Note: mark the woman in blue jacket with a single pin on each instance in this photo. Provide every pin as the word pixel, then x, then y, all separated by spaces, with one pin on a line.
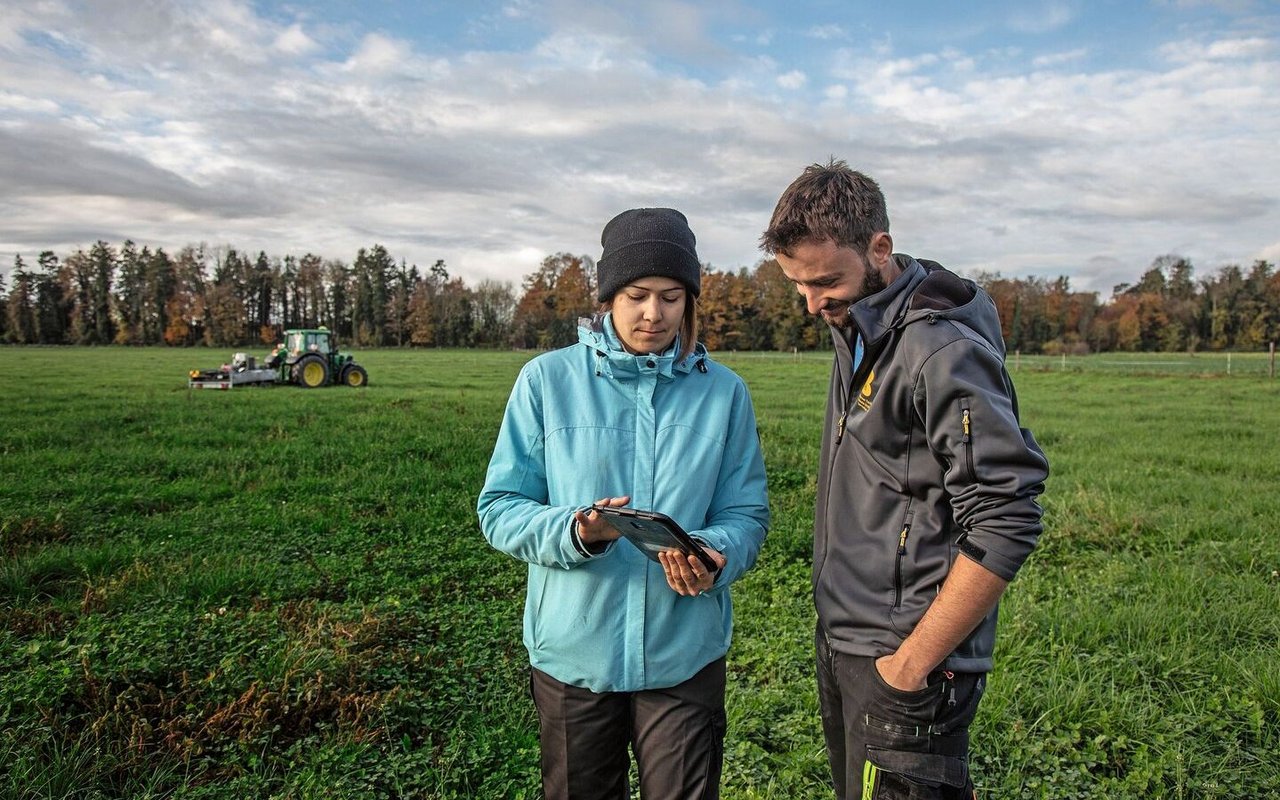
pixel 626 651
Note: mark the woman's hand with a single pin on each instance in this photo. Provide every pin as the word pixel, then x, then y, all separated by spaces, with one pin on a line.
pixel 593 528
pixel 688 575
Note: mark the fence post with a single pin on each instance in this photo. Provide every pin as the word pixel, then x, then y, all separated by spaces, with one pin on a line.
pixel 1272 370
pixel 1228 362
pixel 1064 362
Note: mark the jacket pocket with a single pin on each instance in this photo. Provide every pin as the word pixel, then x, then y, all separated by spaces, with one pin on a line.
pixel 534 611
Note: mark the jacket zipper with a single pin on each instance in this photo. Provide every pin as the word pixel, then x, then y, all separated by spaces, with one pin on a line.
pixel 967 422
pixel 897 565
pixel 851 394
pixel 855 386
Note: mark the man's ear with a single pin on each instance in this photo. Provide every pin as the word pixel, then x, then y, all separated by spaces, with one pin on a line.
pixel 881 250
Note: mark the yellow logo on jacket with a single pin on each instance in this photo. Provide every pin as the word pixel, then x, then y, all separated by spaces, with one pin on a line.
pixel 864 397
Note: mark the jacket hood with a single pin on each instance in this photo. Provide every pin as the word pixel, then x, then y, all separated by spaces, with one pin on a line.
pixel 612 359
pixel 925 290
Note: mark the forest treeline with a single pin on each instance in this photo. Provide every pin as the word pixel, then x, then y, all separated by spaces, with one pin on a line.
pixel 221 297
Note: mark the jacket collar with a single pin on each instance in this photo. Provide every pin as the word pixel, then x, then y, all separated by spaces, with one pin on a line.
pixel 926 291
pixel 876 315
pixel 598 334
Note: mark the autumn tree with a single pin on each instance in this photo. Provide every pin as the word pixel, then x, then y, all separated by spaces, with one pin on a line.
pixel 783 308
pixel 420 321
pixel 717 316
pixel 554 297
pixel 185 308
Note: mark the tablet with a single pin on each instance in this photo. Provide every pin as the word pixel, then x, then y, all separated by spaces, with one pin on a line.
pixel 652 532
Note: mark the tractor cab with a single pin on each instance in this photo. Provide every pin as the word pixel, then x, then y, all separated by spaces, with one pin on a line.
pixel 298 343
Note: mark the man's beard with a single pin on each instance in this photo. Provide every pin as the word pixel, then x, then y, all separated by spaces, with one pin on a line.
pixel 872 282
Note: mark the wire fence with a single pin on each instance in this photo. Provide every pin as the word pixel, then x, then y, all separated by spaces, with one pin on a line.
pixel 1256 365
pixel 1199 364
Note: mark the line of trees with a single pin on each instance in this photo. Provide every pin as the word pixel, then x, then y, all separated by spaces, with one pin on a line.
pixel 224 298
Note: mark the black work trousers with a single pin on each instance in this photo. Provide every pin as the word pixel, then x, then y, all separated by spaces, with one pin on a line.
pixel 887 744
pixel 677 735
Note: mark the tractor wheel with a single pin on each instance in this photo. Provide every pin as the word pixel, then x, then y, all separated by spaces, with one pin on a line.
pixel 355 376
pixel 310 372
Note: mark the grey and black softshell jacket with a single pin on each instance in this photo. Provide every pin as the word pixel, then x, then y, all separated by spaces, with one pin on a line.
pixel 923 461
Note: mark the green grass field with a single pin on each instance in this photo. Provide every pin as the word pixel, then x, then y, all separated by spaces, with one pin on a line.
pixel 281 593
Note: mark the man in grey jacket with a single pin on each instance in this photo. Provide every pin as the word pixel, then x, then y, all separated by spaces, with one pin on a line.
pixel 927 487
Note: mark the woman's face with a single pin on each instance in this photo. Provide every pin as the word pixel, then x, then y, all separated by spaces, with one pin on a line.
pixel 647 313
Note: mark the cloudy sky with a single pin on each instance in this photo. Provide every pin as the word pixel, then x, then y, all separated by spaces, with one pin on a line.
pixel 1027 137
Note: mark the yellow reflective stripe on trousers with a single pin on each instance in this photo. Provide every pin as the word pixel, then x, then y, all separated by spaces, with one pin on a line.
pixel 869 773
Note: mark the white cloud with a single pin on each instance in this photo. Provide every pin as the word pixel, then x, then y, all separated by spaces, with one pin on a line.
pixel 1041 17
pixel 590 52
pixel 827 32
pixel 1192 51
pixel 1229 6
pixel 1058 59
pixel 18 102
pixel 794 79
pixel 377 54
pixel 294 41
pixel 1252 47
pixel 1269 253
pixel 518 9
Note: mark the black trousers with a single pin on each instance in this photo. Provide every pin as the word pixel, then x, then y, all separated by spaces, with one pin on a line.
pixel 886 744
pixel 677 735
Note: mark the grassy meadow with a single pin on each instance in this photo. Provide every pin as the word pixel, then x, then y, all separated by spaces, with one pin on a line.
pixel 282 593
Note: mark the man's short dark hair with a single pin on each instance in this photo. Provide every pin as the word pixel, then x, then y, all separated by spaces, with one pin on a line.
pixel 827 203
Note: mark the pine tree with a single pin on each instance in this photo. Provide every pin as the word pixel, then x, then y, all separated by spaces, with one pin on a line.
pixel 20 327
pixel 160 285
pixel 102 265
pixel 130 294
pixel 52 311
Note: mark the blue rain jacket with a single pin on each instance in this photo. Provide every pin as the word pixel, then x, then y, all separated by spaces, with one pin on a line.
pixel 678 436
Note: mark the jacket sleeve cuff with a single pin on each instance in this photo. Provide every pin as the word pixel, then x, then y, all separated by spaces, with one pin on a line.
pixel 585 550
pixel 715 583
pixel 1003 564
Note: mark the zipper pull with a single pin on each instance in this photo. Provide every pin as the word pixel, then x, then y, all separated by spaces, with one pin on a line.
pixel 965 421
pixel 840 427
pixel 902 540
pixel 951 685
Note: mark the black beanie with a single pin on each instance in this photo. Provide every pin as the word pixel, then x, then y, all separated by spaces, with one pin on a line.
pixel 643 242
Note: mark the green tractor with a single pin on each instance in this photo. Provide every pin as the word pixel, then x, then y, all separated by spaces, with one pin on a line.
pixel 309 358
